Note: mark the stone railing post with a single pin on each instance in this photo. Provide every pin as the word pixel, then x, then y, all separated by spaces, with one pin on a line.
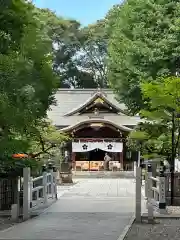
pixel 30 189
pixel 14 212
pixel 162 196
pixel 50 167
pixel 138 194
pixel 55 181
pixel 26 193
pixel 146 182
pixel 135 166
pixel 45 185
pixel 150 196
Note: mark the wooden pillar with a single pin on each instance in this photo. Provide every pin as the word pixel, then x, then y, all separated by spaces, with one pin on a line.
pixel 124 156
pixel 121 160
pixel 73 160
pixel 121 157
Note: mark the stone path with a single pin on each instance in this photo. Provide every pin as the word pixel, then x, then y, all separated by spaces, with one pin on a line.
pixel 92 209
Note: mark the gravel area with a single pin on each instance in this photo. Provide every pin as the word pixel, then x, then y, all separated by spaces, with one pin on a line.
pixel 168 229
pixel 173 210
pixel 163 228
pixel 5 222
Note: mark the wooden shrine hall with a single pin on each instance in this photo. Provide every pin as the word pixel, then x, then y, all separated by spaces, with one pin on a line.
pixel 98 124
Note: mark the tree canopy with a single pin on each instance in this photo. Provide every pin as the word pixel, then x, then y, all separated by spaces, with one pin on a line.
pixel 93 57
pixel 143 45
pixel 79 53
pixel 27 80
pixel 39 52
pixel 161 118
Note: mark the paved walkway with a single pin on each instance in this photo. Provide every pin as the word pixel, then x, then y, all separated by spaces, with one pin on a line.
pixel 93 209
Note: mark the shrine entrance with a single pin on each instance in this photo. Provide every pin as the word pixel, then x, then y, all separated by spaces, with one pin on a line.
pixel 96 155
pixel 92 139
pixel 94 160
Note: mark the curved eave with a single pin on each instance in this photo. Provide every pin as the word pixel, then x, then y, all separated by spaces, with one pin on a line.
pixel 120 127
pixel 92 98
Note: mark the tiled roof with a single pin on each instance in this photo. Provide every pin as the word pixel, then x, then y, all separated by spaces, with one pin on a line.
pixel 69 99
pixel 94 96
pixel 98 120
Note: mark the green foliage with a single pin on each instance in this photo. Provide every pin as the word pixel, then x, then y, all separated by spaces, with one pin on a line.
pixel 143 45
pixel 27 81
pixel 151 142
pixel 164 95
pixel 41 141
pixel 94 52
pixel 155 133
pixel 14 18
pixel 45 139
pixel 79 53
pixel 138 135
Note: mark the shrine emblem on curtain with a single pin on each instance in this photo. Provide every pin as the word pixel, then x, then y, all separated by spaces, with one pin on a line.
pixel 89 146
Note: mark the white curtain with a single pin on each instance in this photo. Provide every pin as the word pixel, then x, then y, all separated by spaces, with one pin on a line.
pixel 110 146
pixel 83 146
pixel 89 146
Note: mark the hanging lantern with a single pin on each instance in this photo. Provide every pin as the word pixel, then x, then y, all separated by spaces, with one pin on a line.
pixel 19 155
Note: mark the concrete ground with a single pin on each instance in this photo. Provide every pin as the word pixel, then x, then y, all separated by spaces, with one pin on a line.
pixel 103 174
pixel 92 209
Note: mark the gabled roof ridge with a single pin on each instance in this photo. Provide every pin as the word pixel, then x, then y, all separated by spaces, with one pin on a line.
pixel 98 93
pixel 92 90
pixel 83 104
pixel 122 127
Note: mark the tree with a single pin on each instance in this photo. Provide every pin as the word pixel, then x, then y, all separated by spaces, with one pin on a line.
pixel 152 140
pixel 143 44
pixel 160 133
pixel 27 82
pixel 93 55
pixel 42 142
pixel 79 53
pixel 64 35
pixel 45 139
pixel 13 19
pixel 164 104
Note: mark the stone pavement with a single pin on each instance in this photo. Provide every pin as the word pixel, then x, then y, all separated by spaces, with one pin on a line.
pixel 103 174
pixel 92 209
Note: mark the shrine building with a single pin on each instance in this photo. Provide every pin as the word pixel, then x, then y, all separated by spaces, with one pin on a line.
pixel 97 124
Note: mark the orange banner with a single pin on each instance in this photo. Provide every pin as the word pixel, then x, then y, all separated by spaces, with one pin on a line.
pixel 84 165
pixel 89 165
pixel 95 165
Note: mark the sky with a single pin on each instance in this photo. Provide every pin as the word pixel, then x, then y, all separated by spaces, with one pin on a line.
pixel 84 11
